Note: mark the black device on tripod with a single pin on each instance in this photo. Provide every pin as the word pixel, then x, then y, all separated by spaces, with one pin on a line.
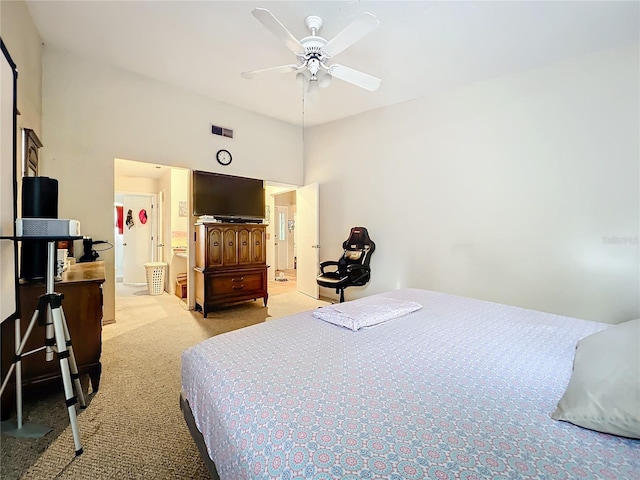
pixel 39 261
pixel 89 255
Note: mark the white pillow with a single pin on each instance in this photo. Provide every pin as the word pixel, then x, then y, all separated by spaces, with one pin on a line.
pixel 604 391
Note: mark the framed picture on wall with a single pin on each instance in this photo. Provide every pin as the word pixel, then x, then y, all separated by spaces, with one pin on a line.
pixel 30 146
pixel 182 209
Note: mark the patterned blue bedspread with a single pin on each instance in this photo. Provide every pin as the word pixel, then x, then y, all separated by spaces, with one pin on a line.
pixel 461 389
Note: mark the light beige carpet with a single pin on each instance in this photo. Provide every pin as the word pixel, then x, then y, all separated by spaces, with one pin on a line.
pixel 133 427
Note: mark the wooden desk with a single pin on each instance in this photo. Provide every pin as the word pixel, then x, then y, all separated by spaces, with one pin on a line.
pixel 81 286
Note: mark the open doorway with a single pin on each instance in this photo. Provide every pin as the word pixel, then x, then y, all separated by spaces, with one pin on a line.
pixel 292 215
pixel 168 187
pixel 285 245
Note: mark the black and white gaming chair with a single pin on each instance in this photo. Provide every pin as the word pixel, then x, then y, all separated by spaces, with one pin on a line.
pixel 352 269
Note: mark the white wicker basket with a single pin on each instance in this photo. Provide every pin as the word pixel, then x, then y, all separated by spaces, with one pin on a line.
pixel 155 277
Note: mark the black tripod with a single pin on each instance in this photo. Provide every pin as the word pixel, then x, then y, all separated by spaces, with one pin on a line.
pixel 57 340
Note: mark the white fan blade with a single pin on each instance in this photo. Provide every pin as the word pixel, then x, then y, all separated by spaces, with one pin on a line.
pixel 360 79
pixel 268 20
pixel 280 69
pixel 356 30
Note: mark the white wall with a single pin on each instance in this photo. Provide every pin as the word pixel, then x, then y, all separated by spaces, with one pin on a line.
pixel 127 184
pixel 93 114
pixel 23 43
pixel 22 40
pixel 509 190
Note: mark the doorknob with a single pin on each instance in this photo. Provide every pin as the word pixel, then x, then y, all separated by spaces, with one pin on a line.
pixel 124 244
pixel 160 245
pixel 315 246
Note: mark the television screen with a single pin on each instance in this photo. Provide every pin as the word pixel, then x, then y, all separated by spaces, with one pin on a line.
pixel 227 196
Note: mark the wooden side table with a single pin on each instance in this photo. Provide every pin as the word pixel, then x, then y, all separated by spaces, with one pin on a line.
pixel 81 286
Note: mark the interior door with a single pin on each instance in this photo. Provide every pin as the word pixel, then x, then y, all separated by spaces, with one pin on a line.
pixel 308 226
pixel 137 238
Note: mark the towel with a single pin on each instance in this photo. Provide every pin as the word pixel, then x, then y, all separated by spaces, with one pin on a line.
pixel 365 312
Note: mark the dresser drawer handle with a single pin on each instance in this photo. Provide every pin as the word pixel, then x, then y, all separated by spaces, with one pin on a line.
pixel 257 243
pixel 237 287
pixel 231 244
pixel 244 243
pixel 215 244
pixel 236 280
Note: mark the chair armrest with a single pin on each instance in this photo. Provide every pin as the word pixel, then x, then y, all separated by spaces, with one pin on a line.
pixel 354 268
pixel 328 263
pixel 358 272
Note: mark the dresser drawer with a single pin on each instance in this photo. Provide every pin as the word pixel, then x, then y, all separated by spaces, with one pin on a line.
pixel 236 283
pixel 225 287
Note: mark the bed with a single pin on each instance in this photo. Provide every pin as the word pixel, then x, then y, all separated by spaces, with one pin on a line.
pixel 460 388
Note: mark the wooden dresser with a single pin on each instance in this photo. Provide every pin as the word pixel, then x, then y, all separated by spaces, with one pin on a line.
pixel 230 264
pixel 81 286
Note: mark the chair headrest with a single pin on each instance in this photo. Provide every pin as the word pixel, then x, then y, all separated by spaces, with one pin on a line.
pixel 359 240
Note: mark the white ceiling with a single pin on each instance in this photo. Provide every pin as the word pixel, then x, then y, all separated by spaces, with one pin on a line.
pixel 420 47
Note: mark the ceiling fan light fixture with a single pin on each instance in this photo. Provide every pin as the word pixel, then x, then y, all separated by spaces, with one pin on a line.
pixel 313 87
pixel 313 66
pixel 301 77
pixel 324 80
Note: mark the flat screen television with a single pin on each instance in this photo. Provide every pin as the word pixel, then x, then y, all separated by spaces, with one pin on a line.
pixel 227 197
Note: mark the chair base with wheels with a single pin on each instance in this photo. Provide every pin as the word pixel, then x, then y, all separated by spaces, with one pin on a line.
pixel 352 269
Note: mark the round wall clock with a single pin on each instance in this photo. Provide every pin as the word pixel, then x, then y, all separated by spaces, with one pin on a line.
pixel 223 157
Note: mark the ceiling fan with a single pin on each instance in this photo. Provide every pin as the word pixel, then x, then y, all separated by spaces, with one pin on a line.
pixel 314 52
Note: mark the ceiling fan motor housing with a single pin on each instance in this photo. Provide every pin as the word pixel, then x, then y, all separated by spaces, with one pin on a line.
pixel 313 45
pixel 313 56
